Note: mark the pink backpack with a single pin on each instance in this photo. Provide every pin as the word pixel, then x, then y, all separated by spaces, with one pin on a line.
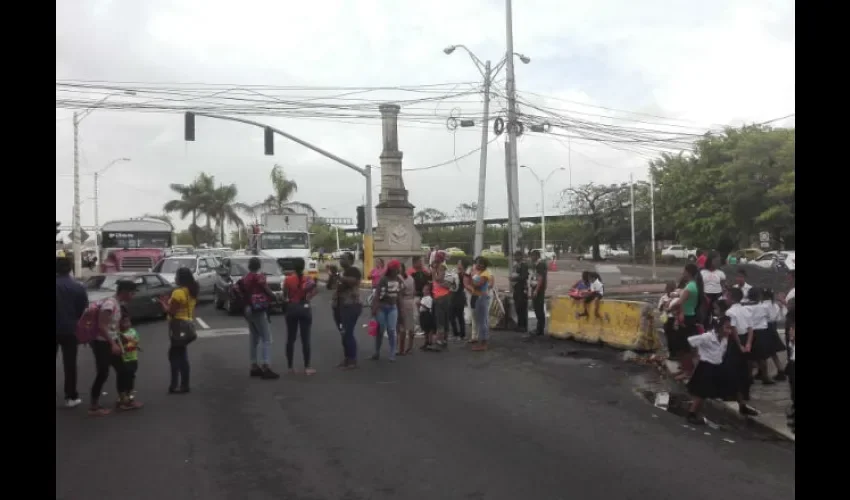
pixel 87 326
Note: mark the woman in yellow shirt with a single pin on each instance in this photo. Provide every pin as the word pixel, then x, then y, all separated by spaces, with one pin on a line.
pixel 181 328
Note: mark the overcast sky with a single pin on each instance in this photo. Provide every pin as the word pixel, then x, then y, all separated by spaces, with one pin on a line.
pixel 703 63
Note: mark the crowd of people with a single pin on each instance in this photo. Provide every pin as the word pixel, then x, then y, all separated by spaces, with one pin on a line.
pixel 723 335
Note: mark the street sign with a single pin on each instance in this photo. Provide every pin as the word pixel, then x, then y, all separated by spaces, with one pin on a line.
pixel 764 237
pixel 83 236
pixel 765 244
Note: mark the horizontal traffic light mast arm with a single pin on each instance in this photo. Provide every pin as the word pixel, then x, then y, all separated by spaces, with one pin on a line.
pixel 306 144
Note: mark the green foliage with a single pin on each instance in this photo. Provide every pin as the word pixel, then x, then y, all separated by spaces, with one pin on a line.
pixel 735 185
pixel 324 236
pixel 202 198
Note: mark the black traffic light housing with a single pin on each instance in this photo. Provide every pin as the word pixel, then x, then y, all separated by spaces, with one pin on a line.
pixel 189 133
pixel 269 141
pixel 57 227
pixel 361 219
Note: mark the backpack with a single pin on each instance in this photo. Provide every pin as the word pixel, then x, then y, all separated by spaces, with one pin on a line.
pixel 87 326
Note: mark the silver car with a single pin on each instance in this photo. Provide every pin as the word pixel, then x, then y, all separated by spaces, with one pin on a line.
pixel 202 267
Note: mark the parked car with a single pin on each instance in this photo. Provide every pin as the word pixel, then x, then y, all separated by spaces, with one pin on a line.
pixel 150 287
pixel 781 260
pixel 679 252
pixel 202 267
pixel 234 268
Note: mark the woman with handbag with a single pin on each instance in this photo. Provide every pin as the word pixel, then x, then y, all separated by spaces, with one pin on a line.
pixel 181 328
pixel 257 297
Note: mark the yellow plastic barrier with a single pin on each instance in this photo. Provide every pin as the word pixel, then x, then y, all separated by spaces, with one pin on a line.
pixel 624 324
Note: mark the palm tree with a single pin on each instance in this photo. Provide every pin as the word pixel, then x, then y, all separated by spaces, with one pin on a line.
pixel 221 207
pixel 279 202
pixel 193 199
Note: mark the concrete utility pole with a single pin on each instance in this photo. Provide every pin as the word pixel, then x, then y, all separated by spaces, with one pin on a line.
pixel 511 168
pixel 489 73
pixel 632 214
pixel 76 234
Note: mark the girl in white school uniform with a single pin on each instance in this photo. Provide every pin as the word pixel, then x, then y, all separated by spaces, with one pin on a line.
pixel 709 380
pixel 775 312
pixel 764 344
pixel 735 362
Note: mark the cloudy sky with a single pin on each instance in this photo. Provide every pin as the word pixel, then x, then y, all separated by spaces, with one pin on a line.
pixel 620 62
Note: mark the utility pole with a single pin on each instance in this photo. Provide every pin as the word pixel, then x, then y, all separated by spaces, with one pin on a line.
pixel 482 169
pixel 512 166
pixel 652 222
pixel 96 222
pixel 632 209
pixel 76 234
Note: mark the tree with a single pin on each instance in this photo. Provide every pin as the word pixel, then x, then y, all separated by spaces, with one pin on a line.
pixel 222 208
pixel 603 209
pixel 190 203
pixel 466 211
pixel 429 215
pixel 734 185
pixel 280 201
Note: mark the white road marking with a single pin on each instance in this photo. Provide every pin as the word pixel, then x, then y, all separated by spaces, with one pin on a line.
pixel 222 332
pixel 203 323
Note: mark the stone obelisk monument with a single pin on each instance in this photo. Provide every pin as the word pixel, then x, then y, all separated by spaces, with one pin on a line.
pixel 396 236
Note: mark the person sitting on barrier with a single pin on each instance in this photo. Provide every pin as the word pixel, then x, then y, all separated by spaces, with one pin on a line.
pixel 581 287
pixel 594 295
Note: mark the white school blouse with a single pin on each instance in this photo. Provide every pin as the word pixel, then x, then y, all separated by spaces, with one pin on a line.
pixel 760 314
pixel 741 318
pixel 709 347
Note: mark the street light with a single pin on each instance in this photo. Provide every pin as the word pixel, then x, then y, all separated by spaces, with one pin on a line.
pixel 489 75
pixel 96 206
pixel 77 230
pixel 543 202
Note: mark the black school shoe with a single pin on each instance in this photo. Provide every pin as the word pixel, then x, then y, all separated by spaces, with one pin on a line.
pixel 256 372
pixel 268 374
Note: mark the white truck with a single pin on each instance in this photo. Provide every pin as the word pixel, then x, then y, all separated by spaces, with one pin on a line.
pixel 285 237
pixel 679 252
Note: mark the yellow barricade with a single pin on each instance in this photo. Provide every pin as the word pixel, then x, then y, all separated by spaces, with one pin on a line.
pixel 624 324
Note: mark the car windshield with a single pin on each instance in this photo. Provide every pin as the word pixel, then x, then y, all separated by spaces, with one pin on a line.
pixel 170 266
pixel 107 282
pixel 240 267
pixel 276 241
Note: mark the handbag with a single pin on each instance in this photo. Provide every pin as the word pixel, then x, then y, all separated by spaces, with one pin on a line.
pixel 182 332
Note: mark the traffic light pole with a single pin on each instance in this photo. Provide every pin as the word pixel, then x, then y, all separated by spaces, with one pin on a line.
pixel 365 172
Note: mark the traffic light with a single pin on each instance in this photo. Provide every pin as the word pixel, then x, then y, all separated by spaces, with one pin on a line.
pixel 57 227
pixel 189 133
pixel 361 219
pixel 269 141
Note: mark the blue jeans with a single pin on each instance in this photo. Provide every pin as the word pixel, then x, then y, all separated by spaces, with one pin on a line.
pixel 348 316
pixel 387 321
pixel 260 336
pixel 482 317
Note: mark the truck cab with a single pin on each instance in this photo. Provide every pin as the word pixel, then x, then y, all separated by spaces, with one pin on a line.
pixel 285 237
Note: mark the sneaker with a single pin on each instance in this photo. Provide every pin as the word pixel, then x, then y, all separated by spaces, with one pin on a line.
pixel 99 411
pixel 256 371
pixel 268 374
pixel 73 403
pixel 129 405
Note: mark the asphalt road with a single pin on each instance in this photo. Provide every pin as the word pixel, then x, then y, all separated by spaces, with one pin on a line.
pixel 519 421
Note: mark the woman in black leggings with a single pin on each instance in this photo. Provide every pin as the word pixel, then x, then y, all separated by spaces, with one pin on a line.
pixel 299 290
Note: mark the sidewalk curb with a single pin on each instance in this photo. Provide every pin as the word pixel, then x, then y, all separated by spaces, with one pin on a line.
pixel 731 408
